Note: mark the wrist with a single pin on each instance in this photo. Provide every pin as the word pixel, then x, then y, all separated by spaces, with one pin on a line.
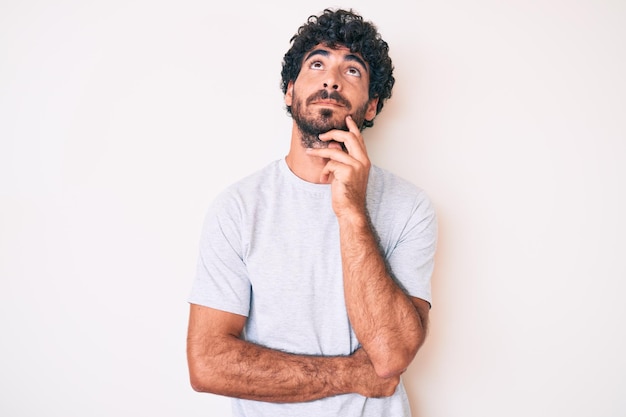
pixel 353 218
pixel 344 376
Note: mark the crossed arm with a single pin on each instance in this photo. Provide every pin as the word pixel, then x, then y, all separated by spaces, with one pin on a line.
pixel 222 363
pixel 389 325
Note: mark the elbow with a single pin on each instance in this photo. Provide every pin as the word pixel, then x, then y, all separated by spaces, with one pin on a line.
pixel 204 382
pixel 393 362
pixel 197 382
pixel 203 377
pixel 207 368
pixel 389 372
pixel 391 367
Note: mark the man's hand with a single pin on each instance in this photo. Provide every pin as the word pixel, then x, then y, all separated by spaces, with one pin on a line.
pixel 367 382
pixel 347 172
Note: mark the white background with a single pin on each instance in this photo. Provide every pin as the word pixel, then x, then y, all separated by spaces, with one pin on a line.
pixel 121 120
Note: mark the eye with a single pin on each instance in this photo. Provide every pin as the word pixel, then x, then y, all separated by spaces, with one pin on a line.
pixel 354 72
pixel 316 65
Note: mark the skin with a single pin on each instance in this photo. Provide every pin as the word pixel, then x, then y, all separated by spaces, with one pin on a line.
pixel 222 363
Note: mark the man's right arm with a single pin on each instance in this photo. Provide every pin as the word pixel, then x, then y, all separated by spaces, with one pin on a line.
pixel 220 362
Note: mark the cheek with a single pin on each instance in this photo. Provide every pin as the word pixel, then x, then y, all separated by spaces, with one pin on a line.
pixel 289 95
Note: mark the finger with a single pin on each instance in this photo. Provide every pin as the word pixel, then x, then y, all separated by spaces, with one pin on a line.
pixel 356 131
pixel 332 154
pixel 327 171
pixel 342 172
pixel 352 142
pixel 352 126
pixel 355 147
pixel 338 135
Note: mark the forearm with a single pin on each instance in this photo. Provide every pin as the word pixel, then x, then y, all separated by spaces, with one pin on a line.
pixel 229 366
pixel 232 367
pixel 384 318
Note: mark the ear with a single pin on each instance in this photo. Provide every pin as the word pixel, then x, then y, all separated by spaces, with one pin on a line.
pixel 289 94
pixel 370 113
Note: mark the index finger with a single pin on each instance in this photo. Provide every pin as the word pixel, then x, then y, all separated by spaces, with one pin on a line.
pixel 356 148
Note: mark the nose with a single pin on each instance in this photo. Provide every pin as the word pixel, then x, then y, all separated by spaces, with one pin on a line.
pixel 332 79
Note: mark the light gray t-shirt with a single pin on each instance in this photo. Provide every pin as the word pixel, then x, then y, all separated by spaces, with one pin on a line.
pixel 269 250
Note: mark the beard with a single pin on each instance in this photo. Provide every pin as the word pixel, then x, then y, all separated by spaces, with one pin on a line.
pixel 312 125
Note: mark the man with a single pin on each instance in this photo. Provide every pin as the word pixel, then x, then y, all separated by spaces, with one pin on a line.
pixel 313 285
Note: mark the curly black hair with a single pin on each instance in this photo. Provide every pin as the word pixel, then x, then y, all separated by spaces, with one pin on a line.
pixel 335 28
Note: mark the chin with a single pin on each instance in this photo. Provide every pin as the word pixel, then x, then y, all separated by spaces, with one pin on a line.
pixel 330 122
pixel 313 142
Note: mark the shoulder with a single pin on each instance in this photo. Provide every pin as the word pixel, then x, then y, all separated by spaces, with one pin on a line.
pixel 266 174
pixel 386 186
pixel 250 185
pixel 394 202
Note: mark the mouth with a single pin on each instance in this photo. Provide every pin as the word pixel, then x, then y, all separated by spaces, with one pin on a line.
pixel 328 103
pixel 328 99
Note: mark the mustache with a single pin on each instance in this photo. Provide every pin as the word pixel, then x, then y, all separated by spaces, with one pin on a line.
pixel 333 95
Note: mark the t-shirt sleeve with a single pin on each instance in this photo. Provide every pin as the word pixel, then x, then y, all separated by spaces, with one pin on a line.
pixel 221 279
pixel 412 260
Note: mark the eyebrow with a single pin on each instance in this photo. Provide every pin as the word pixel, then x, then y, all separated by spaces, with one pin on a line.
pixel 349 57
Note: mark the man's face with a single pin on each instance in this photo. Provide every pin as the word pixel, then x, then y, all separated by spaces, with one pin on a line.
pixel 332 84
